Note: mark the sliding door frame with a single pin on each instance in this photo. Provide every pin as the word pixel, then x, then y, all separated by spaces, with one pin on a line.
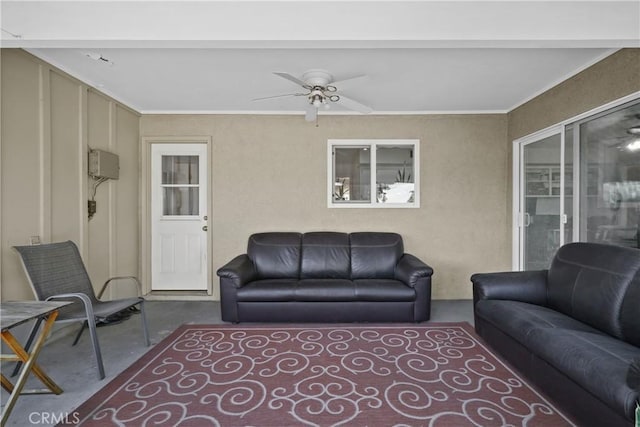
pixel 519 192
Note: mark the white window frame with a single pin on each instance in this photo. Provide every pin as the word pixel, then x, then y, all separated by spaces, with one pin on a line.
pixel 373 145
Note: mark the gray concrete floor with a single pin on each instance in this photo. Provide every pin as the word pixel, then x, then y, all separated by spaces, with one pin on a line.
pixel 74 369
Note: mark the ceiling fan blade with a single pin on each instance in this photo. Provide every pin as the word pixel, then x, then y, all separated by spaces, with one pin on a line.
pixel 293 79
pixel 279 96
pixel 354 105
pixel 350 80
pixel 311 113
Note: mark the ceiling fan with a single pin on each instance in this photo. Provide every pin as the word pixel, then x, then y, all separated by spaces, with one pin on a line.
pixel 322 90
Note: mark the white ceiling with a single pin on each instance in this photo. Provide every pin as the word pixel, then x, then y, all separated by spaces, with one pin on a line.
pixel 420 56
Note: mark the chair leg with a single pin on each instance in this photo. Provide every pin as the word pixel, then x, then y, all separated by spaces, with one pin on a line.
pixel 145 329
pixel 32 336
pixel 84 325
pixel 96 348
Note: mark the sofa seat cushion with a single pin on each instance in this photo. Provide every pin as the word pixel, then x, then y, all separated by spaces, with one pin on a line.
pixel 383 290
pixel 592 359
pixel 330 290
pixel 272 290
pixel 518 319
pixel 268 290
pixel 326 290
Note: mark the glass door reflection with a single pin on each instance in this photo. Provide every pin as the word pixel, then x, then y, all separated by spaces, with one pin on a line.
pixel 610 176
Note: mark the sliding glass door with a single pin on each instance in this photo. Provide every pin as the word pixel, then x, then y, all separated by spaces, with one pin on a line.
pixel 540 204
pixel 609 178
pixel 578 181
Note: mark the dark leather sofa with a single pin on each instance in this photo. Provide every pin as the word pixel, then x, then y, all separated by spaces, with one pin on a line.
pixel 325 277
pixel 573 330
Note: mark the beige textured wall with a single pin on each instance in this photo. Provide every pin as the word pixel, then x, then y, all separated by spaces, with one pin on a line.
pixel 612 78
pixel 269 174
pixel 48 121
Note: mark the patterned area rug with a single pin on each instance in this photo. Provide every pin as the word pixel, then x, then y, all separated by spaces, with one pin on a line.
pixel 343 375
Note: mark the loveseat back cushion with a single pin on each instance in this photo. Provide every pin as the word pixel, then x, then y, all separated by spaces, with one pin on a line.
pixel 275 255
pixel 325 255
pixel 375 255
pixel 589 282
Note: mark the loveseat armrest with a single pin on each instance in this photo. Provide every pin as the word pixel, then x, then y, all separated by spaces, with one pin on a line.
pixel 239 270
pixel 410 269
pixel 524 286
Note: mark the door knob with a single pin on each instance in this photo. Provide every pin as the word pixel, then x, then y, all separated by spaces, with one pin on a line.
pixel 204 228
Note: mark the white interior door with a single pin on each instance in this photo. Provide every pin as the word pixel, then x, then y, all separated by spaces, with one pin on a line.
pixel 179 217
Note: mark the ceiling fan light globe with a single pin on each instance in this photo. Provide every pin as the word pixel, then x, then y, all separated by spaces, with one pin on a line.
pixel 634 145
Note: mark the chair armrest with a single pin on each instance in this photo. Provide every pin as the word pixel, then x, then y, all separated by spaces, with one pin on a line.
pixel 525 286
pixel 240 270
pixel 108 282
pixel 86 301
pixel 410 269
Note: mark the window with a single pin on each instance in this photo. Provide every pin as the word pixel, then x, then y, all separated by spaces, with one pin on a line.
pixel 180 186
pixel 373 173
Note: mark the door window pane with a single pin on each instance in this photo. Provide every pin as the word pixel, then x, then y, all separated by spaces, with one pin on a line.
pixel 352 174
pixel 394 174
pixel 541 201
pixel 180 170
pixel 610 176
pixel 180 201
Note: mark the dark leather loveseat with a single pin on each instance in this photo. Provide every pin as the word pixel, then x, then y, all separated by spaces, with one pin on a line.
pixel 574 330
pixel 325 277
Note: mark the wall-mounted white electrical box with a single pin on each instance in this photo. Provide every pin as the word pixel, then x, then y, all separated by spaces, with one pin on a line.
pixel 103 164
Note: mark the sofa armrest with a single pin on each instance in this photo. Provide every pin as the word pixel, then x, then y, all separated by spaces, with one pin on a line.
pixel 633 376
pixel 525 286
pixel 410 269
pixel 240 270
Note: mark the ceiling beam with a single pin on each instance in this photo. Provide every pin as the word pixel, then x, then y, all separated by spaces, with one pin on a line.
pixel 320 24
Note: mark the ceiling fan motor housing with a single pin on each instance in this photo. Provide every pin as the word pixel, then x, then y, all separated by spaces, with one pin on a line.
pixel 317 78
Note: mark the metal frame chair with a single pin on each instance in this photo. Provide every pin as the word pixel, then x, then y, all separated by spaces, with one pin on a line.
pixel 56 272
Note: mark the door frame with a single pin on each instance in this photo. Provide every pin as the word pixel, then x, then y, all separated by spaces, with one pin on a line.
pixel 145 217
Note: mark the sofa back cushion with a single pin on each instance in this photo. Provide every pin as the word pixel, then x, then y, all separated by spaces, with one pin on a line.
pixel 325 255
pixel 375 255
pixel 276 255
pixel 591 282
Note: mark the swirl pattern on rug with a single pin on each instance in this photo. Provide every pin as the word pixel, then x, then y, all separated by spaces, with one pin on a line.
pixel 375 375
